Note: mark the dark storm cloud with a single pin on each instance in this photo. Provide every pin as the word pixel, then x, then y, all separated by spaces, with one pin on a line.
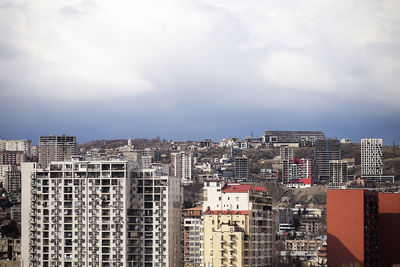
pixel 192 69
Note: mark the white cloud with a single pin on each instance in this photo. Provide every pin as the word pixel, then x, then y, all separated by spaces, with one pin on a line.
pixel 289 70
pixel 80 49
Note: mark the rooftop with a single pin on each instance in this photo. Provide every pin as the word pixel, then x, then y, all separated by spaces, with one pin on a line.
pixel 237 188
pixel 227 212
pixel 195 208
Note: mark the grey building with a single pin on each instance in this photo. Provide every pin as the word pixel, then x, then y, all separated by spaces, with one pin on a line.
pixel 325 151
pixel 304 138
pixel 338 171
pixel 241 168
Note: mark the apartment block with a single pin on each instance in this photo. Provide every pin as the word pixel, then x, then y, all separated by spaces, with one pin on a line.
pixel 74 213
pixel 4 168
pixel 371 157
pixel 193 237
pixel 154 236
pixel 297 172
pixel 55 148
pixel 238 225
pixel 12 181
pixel 23 145
pixel 181 166
pixel 99 213
pixel 241 168
pixel 286 153
pixel 15 212
pixel 10 251
pixel 284 220
pixel 338 171
pixel 352 228
pixel 310 224
pixel 12 157
pixel 325 151
pixel 309 246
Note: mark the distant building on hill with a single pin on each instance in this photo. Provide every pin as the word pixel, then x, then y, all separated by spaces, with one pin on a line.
pixel 303 138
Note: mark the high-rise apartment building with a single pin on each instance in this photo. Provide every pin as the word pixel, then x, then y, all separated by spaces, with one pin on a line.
pixel 99 213
pixel 241 168
pixel 154 238
pixel 325 151
pixel 193 237
pixel 12 181
pixel 12 157
pixel 297 172
pixel 17 145
pixel 338 171
pixel 352 227
pixel 371 157
pixel 286 153
pixel 4 168
pixel 181 166
pixel 238 225
pixel 74 213
pixel 145 162
pixel 55 148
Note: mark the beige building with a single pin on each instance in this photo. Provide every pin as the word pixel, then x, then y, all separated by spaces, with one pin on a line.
pixel 238 225
pixel 55 148
pixel 17 145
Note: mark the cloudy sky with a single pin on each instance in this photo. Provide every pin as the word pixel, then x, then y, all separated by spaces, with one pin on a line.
pixel 194 69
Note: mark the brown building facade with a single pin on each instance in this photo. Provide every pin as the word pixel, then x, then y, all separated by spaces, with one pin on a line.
pixel 389 229
pixel 12 157
pixel 352 228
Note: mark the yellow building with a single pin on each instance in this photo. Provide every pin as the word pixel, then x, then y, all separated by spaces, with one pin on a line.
pixel 227 241
pixel 238 237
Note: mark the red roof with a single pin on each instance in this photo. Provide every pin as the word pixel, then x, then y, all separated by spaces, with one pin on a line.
pixel 195 208
pixel 227 212
pixel 259 188
pixel 237 188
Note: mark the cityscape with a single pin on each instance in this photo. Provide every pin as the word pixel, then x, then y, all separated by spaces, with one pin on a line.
pixel 199 133
pixel 287 198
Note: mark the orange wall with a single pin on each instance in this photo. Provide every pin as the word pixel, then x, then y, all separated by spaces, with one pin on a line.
pixel 389 229
pixel 345 227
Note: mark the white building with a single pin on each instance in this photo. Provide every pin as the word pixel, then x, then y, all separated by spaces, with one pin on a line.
pixel 4 168
pixel 229 202
pixel 16 145
pixel 99 213
pixel 74 213
pixel 181 166
pixel 155 235
pixel 12 181
pixel 371 157
pixel 338 171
